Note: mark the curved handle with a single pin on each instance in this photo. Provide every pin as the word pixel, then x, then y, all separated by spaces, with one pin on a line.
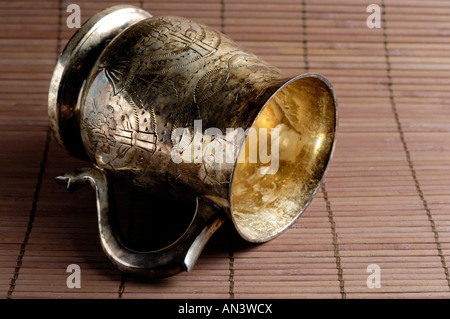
pixel 180 255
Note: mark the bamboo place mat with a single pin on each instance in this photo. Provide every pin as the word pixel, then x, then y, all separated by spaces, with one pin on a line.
pixel 384 200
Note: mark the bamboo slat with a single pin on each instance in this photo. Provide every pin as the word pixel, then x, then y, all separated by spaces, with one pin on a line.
pixel 385 197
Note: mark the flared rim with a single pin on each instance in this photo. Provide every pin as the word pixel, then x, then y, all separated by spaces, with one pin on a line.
pixel 245 235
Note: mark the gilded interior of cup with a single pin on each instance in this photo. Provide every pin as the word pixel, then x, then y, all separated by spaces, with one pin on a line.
pixel 268 196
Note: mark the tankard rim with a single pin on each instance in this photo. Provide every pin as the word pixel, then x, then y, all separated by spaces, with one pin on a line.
pixel 279 231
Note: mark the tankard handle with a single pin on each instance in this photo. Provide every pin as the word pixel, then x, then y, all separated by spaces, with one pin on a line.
pixel 179 256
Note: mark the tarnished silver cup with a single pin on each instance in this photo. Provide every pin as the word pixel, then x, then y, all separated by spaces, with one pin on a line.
pixel 179 109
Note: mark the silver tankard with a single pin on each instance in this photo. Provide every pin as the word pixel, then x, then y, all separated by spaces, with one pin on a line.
pixel 176 108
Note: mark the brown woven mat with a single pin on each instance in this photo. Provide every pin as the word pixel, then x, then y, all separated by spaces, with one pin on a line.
pixel 385 199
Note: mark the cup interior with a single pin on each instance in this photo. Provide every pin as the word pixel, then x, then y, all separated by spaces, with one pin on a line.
pixel 283 159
